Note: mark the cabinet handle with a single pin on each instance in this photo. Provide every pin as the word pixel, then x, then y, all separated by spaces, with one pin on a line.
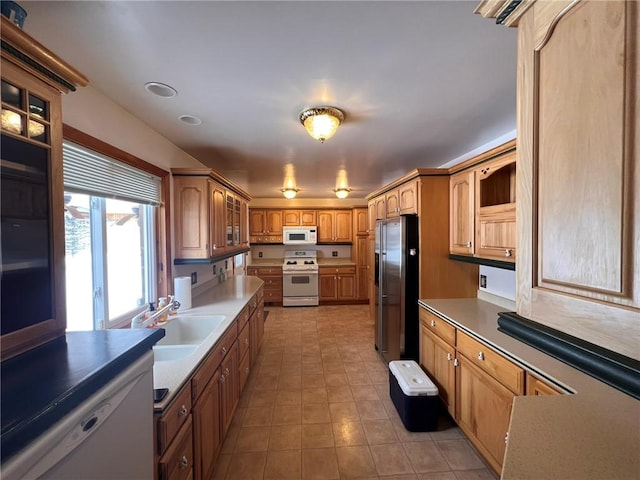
pixel 224 350
pixel 222 379
pixel 183 411
pixel 184 462
pixel 433 323
pixel 480 356
pixel 226 371
pixel 449 357
pixel 456 362
pixel 506 438
pixel 468 244
pixel 507 252
pixel 246 342
pixel 246 369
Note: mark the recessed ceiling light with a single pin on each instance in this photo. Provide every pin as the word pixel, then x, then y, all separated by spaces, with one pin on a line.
pixel 160 89
pixel 190 119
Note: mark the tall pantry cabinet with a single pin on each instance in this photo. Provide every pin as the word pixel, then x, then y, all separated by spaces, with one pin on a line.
pixel 578 170
pixel 33 245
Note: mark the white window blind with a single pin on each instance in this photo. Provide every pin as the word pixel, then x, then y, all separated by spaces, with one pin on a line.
pixel 86 171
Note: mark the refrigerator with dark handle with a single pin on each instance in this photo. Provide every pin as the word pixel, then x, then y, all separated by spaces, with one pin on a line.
pixel 397 293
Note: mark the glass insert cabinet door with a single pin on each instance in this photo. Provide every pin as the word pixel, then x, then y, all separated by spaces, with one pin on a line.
pixel 25 218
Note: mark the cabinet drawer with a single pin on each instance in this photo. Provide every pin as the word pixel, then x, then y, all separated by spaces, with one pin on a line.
pixel 437 325
pixel 337 270
pixel 270 296
pixel 243 340
pixel 223 346
pixel 177 462
pixel 272 283
pixel 174 417
pixel 243 317
pixel 503 370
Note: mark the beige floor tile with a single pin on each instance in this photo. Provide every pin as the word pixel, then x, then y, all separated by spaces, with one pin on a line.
pixel 405 435
pixel 290 382
pixel 359 378
pixel 364 392
pixel 230 440
pixel 355 462
pixel 266 382
pixel 317 435
pixel 333 379
pixel 315 395
pixel 349 434
pixel 379 432
pixel 437 476
pixel 425 457
pixel 284 465
pixel 312 368
pixel 482 474
pixel 400 477
pixel 371 410
pixel 460 455
pixel 287 414
pixel 246 466
pixel 315 413
pixel 285 437
pixel 313 381
pixel 257 417
pixel 339 393
pixel 319 464
pixel 289 397
pixel 390 459
pixel 343 412
pixel 252 439
pixel 263 398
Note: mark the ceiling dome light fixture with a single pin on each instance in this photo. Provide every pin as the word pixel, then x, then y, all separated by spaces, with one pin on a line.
pixel 161 89
pixel 342 192
pixel 289 192
pixel 190 119
pixel 321 122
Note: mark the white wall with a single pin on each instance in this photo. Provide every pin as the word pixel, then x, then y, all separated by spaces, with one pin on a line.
pixel 94 114
pixel 277 251
pixel 500 282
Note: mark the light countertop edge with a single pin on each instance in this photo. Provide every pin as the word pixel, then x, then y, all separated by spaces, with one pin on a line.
pixel 593 433
pixel 228 299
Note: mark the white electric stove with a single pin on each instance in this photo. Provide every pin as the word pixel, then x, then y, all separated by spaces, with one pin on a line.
pixel 300 278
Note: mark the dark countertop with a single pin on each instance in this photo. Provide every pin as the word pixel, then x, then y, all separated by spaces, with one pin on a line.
pixel 41 386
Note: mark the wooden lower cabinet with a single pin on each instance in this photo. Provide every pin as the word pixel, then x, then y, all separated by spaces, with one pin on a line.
pixel 337 284
pixel 206 429
pixel 535 386
pixel 483 411
pixel 438 358
pixel 191 430
pixel 272 277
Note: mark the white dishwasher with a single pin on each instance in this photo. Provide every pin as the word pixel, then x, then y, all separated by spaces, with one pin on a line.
pixel 110 436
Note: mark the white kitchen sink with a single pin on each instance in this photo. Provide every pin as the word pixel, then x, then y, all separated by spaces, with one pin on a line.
pixel 170 353
pixel 189 329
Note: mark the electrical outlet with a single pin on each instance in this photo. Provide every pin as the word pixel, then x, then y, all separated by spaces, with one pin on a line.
pixel 334 253
pixel 483 281
pixel 259 254
pixel 194 278
pixel 214 270
pixel 226 265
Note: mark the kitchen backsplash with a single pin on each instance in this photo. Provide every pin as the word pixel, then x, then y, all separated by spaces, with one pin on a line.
pixel 277 251
pixel 499 282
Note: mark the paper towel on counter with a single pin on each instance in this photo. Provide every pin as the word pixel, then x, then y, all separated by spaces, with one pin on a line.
pixel 182 291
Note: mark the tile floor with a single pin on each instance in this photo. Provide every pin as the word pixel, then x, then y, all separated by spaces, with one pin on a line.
pixel 317 407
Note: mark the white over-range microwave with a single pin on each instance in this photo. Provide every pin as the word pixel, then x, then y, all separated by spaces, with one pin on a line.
pixel 299 235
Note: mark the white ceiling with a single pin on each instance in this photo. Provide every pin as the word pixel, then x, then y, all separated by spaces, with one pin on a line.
pixel 421 82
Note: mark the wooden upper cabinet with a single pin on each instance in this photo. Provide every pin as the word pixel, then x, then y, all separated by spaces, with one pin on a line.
pixel 274 222
pixel 265 225
pixel 578 170
pixel 218 218
pixel 32 250
pixel 257 222
pixel 335 226
pixel 372 218
pixel 294 218
pixel 191 211
pixel 392 204
pixel 361 221
pixel 495 202
pixel 462 212
pixel 408 198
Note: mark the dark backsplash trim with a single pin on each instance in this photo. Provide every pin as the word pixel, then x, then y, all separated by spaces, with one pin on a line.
pixel 622 373
pixel 483 261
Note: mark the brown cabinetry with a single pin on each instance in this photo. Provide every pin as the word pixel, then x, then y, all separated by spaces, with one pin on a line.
pixel 578 170
pixel 207 432
pixel 535 386
pixel 337 284
pixel 482 203
pixel 335 226
pixel 294 218
pixel 265 226
pixel 272 277
pixel 207 216
pixel 33 238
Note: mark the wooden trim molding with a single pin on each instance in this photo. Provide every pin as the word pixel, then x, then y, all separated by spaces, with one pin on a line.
pixel 163 230
pixel 198 172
